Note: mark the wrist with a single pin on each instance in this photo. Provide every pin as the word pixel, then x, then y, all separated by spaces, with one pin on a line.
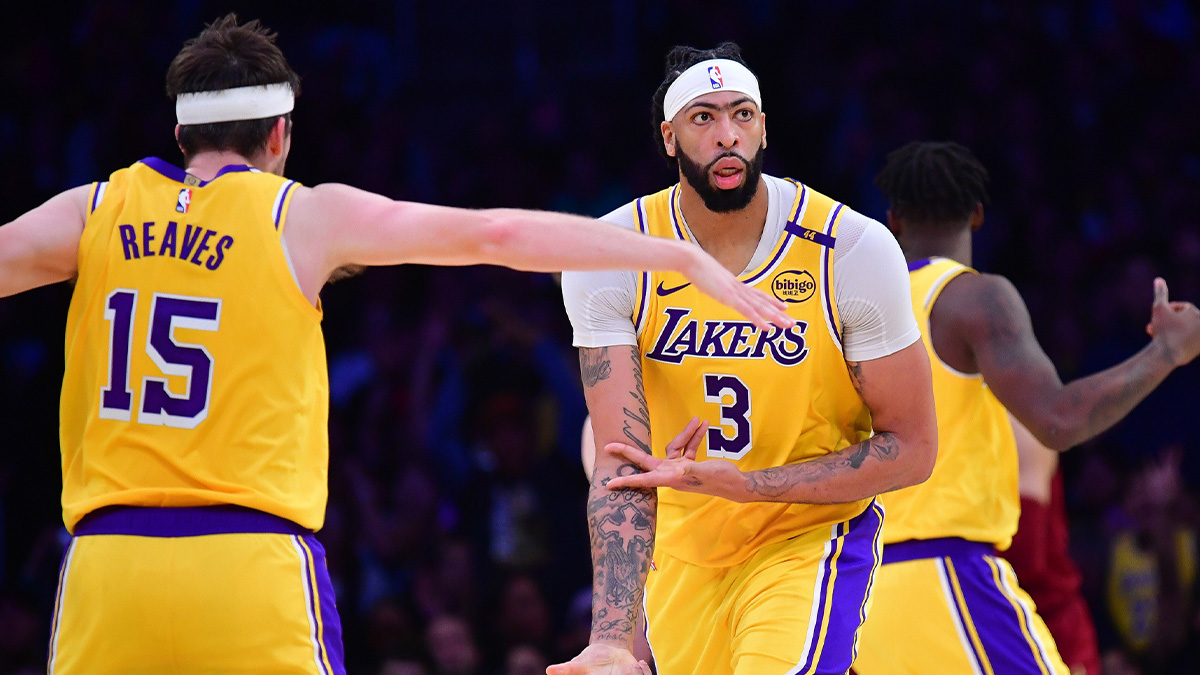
pixel 689 259
pixel 1163 352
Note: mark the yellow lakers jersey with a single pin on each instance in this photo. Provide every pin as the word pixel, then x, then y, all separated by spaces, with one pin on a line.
pixel 973 492
pixel 195 366
pixel 776 397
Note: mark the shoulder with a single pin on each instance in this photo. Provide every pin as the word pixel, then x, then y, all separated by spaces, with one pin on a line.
pixel 623 216
pixel 864 243
pixel 980 302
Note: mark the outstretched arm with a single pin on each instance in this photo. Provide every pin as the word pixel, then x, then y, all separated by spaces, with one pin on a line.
pixel 989 314
pixel 899 392
pixel 42 246
pixel 333 226
pixel 621 522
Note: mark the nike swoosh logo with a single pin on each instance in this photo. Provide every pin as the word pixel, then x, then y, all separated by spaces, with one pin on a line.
pixel 668 291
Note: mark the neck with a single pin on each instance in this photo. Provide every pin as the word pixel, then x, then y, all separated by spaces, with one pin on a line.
pixel 953 245
pixel 205 165
pixel 717 230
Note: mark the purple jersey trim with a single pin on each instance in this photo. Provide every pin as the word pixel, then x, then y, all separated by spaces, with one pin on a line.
pixel 783 246
pixel 282 200
pixel 829 273
pixel 180 176
pixel 918 264
pixel 811 235
pixel 188 521
pixel 948 547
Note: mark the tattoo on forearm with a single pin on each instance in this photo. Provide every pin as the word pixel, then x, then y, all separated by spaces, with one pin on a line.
pixel 594 365
pixel 637 422
pixel 778 481
pixel 622 526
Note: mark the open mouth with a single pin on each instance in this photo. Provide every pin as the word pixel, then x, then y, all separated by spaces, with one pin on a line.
pixel 727 172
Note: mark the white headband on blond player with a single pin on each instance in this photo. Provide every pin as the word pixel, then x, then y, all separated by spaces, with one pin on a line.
pixel 705 78
pixel 238 103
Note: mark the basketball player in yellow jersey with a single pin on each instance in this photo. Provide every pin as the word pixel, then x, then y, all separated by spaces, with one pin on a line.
pixel 195 398
pixel 745 588
pixel 944 603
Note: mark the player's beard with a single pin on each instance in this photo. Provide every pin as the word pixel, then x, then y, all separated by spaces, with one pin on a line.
pixel 715 199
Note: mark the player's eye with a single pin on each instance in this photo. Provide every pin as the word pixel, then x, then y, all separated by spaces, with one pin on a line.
pixel 702 117
pixel 744 114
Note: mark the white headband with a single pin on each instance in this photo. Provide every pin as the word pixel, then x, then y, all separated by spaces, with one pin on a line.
pixel 705 78
pixel 231 105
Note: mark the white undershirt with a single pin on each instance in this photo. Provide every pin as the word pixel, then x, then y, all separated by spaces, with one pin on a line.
pixel 870 285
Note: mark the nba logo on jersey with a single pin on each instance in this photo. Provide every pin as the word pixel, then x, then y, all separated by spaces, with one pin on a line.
pixel 714 77
pixel 185 200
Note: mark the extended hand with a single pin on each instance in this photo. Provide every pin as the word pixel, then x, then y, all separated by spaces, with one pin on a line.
pixel 714 280
pixel 680 470
pixel 601 659
pixel 1174 325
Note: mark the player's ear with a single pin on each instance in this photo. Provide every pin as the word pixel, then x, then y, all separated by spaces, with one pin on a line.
pixel 763 117
pixel 977 217
pixel 276 141
pixel 177 138
pixel 894 225
pixel 668 135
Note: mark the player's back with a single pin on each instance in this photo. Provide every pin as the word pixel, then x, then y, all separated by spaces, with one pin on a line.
pixel 195 367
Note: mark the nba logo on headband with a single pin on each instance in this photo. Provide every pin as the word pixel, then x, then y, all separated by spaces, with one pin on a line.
pixel 714 77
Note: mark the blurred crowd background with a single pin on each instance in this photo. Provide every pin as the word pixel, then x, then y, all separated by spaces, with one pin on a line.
pixel 455 528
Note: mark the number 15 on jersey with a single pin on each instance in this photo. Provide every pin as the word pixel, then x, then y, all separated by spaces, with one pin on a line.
pixel 159 406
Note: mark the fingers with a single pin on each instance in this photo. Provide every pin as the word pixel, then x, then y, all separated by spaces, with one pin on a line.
pixel 640 481
pixel 1160 291
pixel 566 669
pixel 644 668
pixel 634 456
pixel 697 438
pixel 675 447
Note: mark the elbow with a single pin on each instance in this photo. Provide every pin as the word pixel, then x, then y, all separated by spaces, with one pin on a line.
pixel 497 234
pixel 924 453
pixel 1057 431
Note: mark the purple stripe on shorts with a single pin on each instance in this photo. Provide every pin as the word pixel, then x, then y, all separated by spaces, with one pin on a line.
pixel 948 547
pixel 855 572
pixel 282 201
pixel 997 621
pixel 826 573
pixel 331 623
pixel 188 521
pixel 180 176
pixel 312 602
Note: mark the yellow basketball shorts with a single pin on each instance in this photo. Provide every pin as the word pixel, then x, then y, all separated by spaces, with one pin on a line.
pixel 949 606
pixel 218 589
pixel 795 607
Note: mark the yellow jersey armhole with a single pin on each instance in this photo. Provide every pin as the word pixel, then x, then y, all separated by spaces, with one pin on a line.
pixel 831 308
pixel 283 200
pixel 642 295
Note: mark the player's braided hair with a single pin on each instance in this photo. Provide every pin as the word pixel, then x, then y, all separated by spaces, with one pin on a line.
pixel 227 54
pixel 679 59
pixel 933 183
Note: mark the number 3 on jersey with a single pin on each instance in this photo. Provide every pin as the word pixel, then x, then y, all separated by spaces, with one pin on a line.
pixel 729 392
pixel 159 406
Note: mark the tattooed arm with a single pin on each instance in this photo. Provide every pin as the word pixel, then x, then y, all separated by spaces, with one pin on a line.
pixel 898 390
pixel 621 522
pixel 980 324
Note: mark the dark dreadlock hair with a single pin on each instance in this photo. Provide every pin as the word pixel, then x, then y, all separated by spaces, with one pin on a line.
pixel 679 59
pixel 933 183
